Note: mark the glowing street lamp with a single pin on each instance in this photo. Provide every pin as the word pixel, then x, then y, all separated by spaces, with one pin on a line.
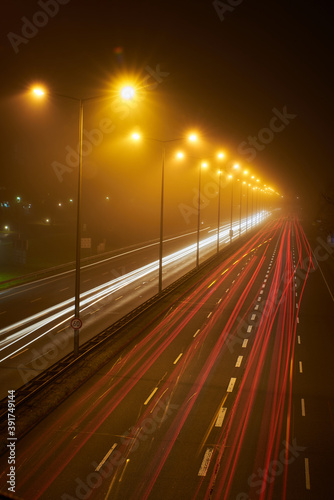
pixel 127 92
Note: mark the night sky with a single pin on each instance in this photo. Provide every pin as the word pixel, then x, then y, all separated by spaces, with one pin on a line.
pixel 224 68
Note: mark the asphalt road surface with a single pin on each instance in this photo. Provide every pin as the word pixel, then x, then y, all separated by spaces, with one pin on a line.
pixel 35 318
pixel 229 396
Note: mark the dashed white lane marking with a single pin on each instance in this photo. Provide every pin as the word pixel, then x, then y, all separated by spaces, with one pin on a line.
pixel 205 462
pixel 119 297
pixel 151 395
pixel 137 287
pixel 307 474
pixel 63 289
pixel 245 342
pixel 249 328
pixel 196 333
pixel 35 300
pixel 259 299
pixel 239 360
pixel 231 384
pixel 221 416
pixel 177 358
pixel 300 367
pixel 303 407
pixel 296 305
pixel 298 338
pixel 219 301
pixel 106 457
pixel 261 292
pixel 208 316
pixel 253 317
pixel 297 320
pixel 256 307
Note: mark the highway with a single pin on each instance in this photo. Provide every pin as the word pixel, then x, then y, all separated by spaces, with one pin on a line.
pixel 35 318
pixel 228 396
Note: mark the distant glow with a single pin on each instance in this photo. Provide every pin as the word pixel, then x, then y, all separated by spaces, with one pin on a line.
pixel 59 204
pixel 18 199
pixel 38 91
pixel 180 155
pixel 6 228
pixel 135 136
pixel 70 200
pixel 107 198
pixel 204 164
pixel 236 166
pixel 220 155
pixel 252 177
pixel 245 172
pixel 257 180
pixel 128 92
pixel 192 137
pixel 230 176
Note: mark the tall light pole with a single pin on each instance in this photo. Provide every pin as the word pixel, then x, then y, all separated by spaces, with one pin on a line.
pixel 200 166
pixel 220 156
pixel 127 93
pixel 218 218
pixel 137 137
pixel 240 208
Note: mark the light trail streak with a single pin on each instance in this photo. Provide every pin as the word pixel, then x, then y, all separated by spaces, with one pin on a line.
pixel 28 326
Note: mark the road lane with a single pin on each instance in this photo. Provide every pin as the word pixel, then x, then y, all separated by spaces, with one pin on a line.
pixel 192 410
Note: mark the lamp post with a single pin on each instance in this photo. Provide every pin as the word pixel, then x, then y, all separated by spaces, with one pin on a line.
pixel 240 208
pixel 163 143
pixel 201 165
pixel 127 93
pixel 218 219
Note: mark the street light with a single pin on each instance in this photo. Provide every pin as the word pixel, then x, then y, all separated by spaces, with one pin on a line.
pixel 201 165
pixel 126 93
pixel 136 136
